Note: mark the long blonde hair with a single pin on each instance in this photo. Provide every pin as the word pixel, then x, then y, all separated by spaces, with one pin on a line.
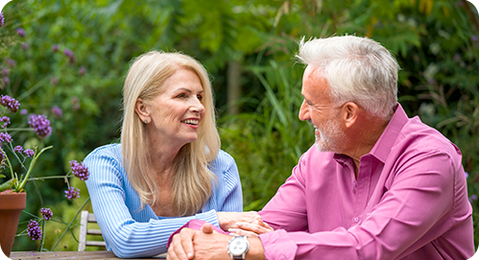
pixel 192 184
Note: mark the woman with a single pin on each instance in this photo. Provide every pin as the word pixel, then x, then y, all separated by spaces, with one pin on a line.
pixel 168 168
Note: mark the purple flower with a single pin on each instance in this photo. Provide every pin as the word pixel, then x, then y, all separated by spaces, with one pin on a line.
pixel 41 125
pixel 4 121
pixel 24 46
pixel 57 111
pixel 29 152
pixel 54 80
pixel 11 62
pixel 46 213
pixel 2 19
pixel 69 53
pixel 5 71
pixel 76 104
pixel 23 112
pixel 6 80
pixel 10 103
pixel 71 193
pixel 475 38
pixel 82 71
pixel 5 137
pixel 18 149
pixel 55 48
pixel 21 32
pixel 79 170
pixel 34 231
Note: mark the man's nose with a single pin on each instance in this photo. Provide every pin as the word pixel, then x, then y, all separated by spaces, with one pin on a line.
pixel 303 113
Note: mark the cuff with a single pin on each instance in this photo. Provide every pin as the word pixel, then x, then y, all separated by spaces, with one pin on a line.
pixel 278 245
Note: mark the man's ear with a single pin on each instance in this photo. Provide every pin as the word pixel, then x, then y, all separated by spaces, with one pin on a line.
pixel 142 110
pixel 351 111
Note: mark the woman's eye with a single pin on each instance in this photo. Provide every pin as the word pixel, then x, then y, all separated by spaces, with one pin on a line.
pixel 200 97
pixel 181 95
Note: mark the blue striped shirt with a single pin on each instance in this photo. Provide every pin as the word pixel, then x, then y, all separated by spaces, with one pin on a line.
pixel 130 232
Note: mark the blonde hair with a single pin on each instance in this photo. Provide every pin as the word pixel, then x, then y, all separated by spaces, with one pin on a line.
pixel 192 184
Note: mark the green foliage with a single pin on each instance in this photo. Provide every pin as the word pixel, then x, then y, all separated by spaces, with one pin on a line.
pixel 435 42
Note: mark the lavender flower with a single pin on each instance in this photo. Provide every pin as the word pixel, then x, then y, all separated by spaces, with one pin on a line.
pixel 41 125
pixel 5 71
pixel 2 19
pixel 46 213
pixel 34 231
pixel 18 149
pixel 79 170
pixel 4 121
pixel 55 48
pixel 24 46
pixel 475 38
pixel 76 103
pixel 11 62
pixel 54 80
pixel 82 71
pixel 10 103
pixel 21 32
pixel 57 111
pixel 69 53
pixel 71 193
pixel 6 80
pixel 29 152
pixel 5 137
pixel 23 112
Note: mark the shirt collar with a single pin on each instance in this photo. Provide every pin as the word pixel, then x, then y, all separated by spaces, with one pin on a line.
pixel 384 144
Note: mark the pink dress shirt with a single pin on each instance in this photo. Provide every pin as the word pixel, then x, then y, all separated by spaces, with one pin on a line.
pixel 409 201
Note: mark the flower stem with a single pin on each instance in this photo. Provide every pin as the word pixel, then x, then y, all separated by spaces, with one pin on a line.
pixel 32 163
pixel 70 224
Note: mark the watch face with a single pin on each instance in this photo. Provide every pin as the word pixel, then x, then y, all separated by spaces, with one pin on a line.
pixel 238 246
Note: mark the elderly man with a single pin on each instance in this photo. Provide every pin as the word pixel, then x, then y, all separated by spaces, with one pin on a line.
pixel 376 184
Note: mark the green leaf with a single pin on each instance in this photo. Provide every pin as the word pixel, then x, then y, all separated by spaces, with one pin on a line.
pixel 7 185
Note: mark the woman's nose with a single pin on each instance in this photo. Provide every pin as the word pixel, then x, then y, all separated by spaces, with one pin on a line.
pixel 197 107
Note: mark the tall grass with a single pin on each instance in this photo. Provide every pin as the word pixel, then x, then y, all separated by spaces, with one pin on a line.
pixel 267 144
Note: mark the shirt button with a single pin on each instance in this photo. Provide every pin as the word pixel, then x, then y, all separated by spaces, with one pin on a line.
pixel 355 184
pixel 355 219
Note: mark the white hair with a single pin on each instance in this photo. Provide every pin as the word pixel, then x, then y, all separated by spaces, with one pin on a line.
pixel 357 69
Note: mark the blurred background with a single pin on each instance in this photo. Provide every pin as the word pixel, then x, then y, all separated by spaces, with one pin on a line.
pixel 71 62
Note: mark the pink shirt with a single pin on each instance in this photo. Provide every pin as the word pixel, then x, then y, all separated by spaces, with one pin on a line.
pixel 409 201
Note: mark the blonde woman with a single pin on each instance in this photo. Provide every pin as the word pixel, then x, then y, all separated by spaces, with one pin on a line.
pixel 168 168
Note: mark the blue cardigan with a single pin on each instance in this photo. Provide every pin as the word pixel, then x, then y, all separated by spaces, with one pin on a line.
pixel 130 232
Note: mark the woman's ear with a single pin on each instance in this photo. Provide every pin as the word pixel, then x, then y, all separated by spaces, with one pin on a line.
pixel 142 110
pixel 351 113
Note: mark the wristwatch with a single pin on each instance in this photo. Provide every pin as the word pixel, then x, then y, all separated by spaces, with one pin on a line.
pixel 238 247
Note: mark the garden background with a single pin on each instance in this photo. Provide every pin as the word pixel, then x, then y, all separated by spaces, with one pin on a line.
pixel 248 48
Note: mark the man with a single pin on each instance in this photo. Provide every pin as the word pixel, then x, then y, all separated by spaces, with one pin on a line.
pixel 376 185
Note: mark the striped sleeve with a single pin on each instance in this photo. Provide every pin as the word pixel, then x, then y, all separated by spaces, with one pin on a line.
pixel 129 231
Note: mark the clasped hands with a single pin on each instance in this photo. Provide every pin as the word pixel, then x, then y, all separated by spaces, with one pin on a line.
pixel 209 244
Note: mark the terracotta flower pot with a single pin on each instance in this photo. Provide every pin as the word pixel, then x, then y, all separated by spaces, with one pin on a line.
pixel 11 206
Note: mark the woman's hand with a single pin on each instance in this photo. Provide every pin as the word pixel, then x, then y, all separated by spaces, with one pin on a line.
pixel 229 219
pixel 243 223
pixel 250 229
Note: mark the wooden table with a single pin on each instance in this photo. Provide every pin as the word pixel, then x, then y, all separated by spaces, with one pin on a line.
pixel 67 255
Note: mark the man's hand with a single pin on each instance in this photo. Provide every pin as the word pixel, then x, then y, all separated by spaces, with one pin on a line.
pixel 204 244
pixel 229 219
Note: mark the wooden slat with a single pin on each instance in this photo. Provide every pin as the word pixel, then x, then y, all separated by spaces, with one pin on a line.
pixel 94 232
pixel 95 243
